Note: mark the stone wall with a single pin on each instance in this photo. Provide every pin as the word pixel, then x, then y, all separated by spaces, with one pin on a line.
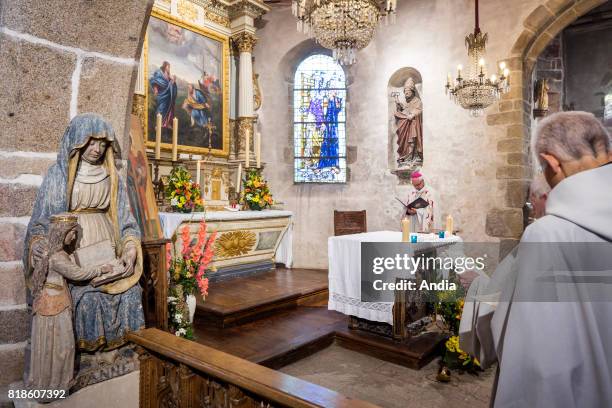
pixel 461 153
pixel 58 59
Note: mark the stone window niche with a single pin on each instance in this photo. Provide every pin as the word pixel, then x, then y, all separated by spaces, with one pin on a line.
pixel 405 122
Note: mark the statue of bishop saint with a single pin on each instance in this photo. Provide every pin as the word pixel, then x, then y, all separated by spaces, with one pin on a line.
pixel 409 119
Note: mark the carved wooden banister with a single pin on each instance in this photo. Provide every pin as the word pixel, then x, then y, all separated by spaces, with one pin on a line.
pixel 175 372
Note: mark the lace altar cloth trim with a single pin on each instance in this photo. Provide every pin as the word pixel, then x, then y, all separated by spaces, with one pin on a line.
pixel 374 311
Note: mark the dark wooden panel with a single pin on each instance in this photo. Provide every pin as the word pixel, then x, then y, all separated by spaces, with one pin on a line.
pixel 154 282
pixel 350 222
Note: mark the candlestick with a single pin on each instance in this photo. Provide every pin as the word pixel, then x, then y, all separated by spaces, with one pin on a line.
pixel 449 224
pixel 247 149
pixel 258 149
pixel 174 139
pixel 239 178
pixel 405 229
pixel 198 172
pixel 158 130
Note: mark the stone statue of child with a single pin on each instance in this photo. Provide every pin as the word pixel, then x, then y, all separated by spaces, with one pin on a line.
pixel 52 356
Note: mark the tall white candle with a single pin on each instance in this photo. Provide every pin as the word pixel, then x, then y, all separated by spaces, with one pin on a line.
pixel 174 139
pixel 247 149
pixel 239 178
pixel 258 149
pixel 198 172
pixel 158 130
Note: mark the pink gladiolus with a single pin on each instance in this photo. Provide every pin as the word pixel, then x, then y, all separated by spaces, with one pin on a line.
pixel 186 239
pixel 203 285
pixel 168 255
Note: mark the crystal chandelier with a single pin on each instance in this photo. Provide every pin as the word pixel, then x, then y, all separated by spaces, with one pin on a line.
pixel 476 92
pixel 343 26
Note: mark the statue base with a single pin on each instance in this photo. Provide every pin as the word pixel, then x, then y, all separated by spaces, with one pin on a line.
pixel 97 367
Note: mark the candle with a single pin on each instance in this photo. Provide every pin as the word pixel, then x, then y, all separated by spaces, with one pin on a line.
pixel 158 129
pixel 459 68
pixel 449 224
pixel 258 149
pixel 174 139
pixel 247 149
pixel 198 172
pixel 448 80
pixel 405 229
pixel 239 178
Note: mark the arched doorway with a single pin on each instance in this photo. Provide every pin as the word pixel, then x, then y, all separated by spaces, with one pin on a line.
pixel 505 221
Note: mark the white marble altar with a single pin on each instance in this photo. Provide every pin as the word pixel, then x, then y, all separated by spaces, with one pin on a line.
pixel 247 241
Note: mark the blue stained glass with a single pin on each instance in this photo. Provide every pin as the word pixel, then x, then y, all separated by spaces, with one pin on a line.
pixel 319 121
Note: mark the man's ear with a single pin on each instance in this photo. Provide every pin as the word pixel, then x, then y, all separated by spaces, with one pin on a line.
pixel 552 162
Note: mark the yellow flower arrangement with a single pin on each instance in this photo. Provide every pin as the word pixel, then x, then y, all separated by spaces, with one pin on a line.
pixel 256 193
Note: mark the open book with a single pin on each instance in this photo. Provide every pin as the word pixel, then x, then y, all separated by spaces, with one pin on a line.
pixel 416 204
pixel 98 255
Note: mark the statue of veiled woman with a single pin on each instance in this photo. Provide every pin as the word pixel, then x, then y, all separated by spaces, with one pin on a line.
pixel 84 181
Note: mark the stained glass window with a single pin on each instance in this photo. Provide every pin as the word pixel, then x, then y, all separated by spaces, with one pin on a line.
pixel 319 121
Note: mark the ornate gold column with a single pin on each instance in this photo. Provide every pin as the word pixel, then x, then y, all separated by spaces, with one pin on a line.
pixel 245 41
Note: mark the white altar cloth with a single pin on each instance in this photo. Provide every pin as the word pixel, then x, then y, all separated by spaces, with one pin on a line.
pixel 284 253
pixel 344 253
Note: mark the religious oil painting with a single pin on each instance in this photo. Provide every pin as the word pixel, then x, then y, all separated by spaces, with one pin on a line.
pixel 319 121
pixel 187 78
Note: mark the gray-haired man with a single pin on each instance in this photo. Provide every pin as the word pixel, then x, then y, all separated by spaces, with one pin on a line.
pixel 555 341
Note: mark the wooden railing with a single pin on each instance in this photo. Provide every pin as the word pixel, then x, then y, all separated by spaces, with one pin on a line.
pixel 175 372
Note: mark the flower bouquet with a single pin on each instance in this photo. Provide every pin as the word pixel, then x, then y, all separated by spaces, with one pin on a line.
pixel 187 274
pixel 256 193
pixel 450 307
pixel 183 193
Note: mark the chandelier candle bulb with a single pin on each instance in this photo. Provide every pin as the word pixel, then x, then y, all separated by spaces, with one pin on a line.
pixel 174 139
pixel 405 229
pixel 158 130
pixel 449 224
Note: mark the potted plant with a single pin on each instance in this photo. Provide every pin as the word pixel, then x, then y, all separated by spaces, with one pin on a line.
pixel 187 270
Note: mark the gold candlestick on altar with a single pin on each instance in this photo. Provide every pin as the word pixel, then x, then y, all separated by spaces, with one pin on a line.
pixel 198 172
pixel 158 130
pixel 258 149
pixel 247 149
pixel 174 139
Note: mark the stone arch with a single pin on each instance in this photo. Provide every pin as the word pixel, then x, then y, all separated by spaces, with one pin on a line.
pixel 513 114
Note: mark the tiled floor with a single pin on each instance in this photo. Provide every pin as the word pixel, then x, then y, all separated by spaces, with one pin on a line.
pixel 390 385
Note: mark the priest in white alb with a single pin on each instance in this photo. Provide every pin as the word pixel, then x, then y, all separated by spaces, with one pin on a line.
pixel 421 219
pixel 545 314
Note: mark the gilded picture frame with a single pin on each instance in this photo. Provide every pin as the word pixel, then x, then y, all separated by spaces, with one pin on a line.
pixel 190 142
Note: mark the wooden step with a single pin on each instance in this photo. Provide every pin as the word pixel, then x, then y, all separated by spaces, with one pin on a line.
pixel 277 340
pixel 248 298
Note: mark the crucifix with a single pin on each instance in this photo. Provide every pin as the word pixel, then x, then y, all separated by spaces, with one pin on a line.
pixel 210 127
